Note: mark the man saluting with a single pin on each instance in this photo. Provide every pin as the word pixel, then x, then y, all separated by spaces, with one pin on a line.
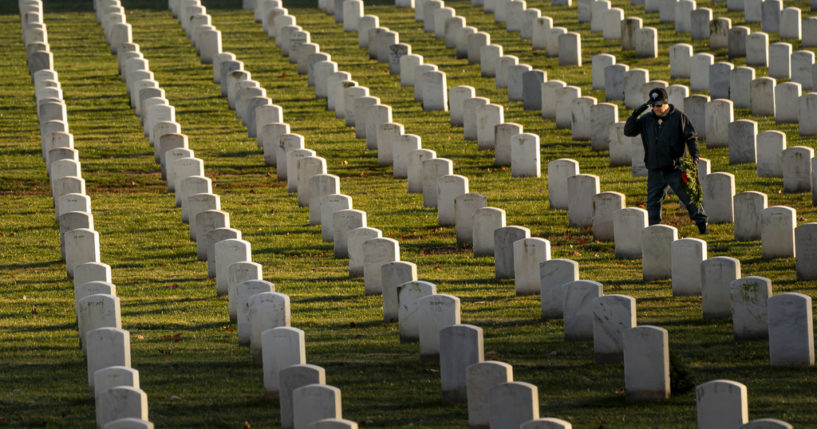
pixel 666 134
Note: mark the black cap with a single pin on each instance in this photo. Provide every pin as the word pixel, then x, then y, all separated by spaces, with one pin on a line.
pixel 658 97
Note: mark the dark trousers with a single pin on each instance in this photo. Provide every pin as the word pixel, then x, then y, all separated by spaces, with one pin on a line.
pixel 657 183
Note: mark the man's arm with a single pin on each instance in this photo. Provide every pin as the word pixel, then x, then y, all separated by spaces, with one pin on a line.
pixel 690 137
pixel 631 127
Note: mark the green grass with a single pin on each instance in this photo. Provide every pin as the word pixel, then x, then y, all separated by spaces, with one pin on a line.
pixel 165 291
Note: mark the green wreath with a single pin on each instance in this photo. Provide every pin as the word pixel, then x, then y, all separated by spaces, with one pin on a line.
pixel 689 180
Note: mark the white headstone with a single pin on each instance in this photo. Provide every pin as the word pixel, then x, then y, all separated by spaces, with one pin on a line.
pixel 796 163
pixel 805 240
pixel 787 107
pixel 717 274
pixel 525 155
pixel 748 206
pixel 435 312
pixel 488 117
pixel 486 221
pixel 267 310
pixel 376 252
pixel 504 239
pixel 529 253
pixel 403 146
pixel 461 346
pixel 512 404
pixel 646 363
pixel 480 379
pixel 581 188
pixel 721 404
pixel 282 347
pixel 106 347
pixel 354 241
pixel 433 170
pixel 777 225
pixel 408 296
pixel 299 375
pixel 656 256
pixel 687 255
pixel 612 315
pixel 244 291
pixel 791 330
pixel 718 191
pixel 605 204
pixel 448 189
pixel 394 274
pixel 554 274
pixel 315 402
pixel 579 302
pixel 559 171
pixel 563 105
pixel 627 226
pixel 749 311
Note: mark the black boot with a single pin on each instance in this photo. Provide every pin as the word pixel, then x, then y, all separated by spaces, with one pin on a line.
pixel 703 228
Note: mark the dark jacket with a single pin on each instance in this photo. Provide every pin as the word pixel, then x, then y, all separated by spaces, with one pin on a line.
pixel 663 143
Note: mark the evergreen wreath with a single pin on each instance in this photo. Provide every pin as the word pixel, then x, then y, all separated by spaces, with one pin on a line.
pixel 689 180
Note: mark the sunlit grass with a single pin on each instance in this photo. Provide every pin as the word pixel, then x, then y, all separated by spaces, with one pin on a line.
pixel 205 379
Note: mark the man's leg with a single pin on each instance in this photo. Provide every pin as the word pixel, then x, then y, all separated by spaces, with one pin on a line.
pixel 656 190
pixel 696 213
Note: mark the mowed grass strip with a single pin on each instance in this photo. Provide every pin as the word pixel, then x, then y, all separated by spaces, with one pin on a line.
pixel 383 382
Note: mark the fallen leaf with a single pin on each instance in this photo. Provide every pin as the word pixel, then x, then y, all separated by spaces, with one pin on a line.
pixel 175 398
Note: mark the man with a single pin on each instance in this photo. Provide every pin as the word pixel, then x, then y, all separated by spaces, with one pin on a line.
pixel 666 133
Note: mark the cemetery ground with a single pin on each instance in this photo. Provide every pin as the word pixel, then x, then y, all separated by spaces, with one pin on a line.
pixel 181 340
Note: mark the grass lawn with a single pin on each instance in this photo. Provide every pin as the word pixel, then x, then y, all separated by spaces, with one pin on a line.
pixel 182 342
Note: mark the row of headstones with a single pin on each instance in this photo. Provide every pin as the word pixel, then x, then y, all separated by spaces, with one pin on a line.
pixel 714 121
pixel 783 64
pixel 705 75
pixel 755 221
pixel 617 85
pixel 698 22
pixel 431 310
pixel 725 404
pixel 664 256
pixel 775 226
pixel 717 75
pixel 688 18
pixel 113 384
pixel 519 247
pixel 426 331
pixel 461 111
pixel 252 300
pixel 596 121
pixel 785 101
pixel 428 322
pixel 590 210
pixel 739 137
pixel 384 294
